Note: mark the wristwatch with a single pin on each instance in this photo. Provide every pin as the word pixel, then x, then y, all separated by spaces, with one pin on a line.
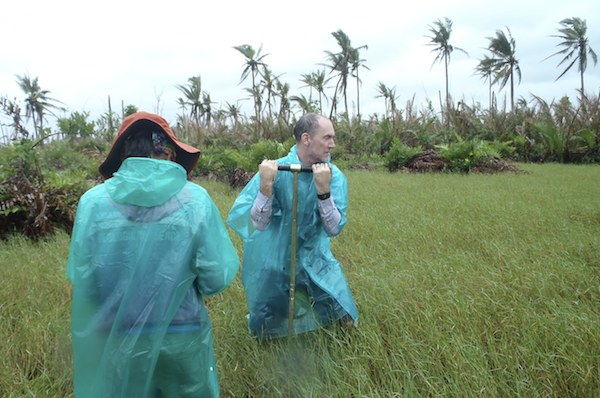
pixel 324 196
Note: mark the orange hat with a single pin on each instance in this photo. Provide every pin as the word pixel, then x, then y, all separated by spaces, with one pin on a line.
pixel 187 155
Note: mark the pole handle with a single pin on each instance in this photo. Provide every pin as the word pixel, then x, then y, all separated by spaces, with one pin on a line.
pixel 298 168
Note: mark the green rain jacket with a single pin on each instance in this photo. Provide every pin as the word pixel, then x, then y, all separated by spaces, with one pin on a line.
pixel 320 282
pixel 147 245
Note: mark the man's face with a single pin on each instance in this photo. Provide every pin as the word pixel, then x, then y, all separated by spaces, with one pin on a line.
pixel 322 143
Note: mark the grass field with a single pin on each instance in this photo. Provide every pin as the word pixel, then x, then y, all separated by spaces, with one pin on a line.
pixel 466 285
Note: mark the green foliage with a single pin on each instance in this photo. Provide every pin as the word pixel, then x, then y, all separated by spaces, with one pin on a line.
pixel 130 110
pixel 206 161
pixel 502 149
pixel 262 150
pixel 40 189
pixel 554 141
pixel 107 124
pixel 6 154
pixel 231 160
pixel 351 161
pixel 494 277
pixel 461 155
pixel 77 125
pixel 36 354
pixel 399 155
pixel 98 146
pixel 64 179
pixel 83 155
pixel 218 161
pixel 587 137
pixel 422 136
pixel 19 156
pixel 222 161
pixel 464 155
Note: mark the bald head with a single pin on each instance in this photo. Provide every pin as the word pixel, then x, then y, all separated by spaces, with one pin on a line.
pixel 308 123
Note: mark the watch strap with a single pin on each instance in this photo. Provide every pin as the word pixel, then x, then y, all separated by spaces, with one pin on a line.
pixel 324 196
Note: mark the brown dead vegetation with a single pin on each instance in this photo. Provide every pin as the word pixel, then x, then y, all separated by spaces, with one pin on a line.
pixel 238 178
pixel 428 160
pixel 34 210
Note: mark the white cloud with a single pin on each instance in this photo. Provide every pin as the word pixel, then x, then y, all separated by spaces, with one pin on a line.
pixel 135 51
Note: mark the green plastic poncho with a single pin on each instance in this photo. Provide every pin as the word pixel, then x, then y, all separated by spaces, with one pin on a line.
pixel 147 245
pixel 322 293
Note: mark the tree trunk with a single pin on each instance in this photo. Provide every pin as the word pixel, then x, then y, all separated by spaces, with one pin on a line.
pixel 447 99
pixel 320 103
pixel 334 101
pixel 346 101
pixel 512 91
pixel 357 97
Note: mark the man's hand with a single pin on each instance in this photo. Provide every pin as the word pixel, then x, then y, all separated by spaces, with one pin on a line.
pixel 322 177
pixel 268 172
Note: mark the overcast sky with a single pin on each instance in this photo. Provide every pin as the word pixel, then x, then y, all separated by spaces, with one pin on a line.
pixel 137 51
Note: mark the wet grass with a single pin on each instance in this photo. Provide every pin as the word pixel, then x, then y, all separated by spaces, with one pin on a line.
pixel 466 286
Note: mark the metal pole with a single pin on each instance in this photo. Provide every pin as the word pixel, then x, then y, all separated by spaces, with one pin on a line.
pixel 294 168
pixel 293 262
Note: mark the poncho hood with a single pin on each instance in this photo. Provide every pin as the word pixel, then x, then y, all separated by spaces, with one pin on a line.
pixel 146 182
pixel 187 155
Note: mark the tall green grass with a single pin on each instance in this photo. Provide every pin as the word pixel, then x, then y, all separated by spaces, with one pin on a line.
pixel 467 285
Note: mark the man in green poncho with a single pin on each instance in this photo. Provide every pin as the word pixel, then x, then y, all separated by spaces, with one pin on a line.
pixel 262 216
pixel 146 247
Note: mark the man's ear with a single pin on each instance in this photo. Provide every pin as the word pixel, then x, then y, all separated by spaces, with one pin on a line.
pixel 305 139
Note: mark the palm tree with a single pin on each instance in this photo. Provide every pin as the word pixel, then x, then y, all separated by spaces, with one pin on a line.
pixel 254 60
pixel 389 96
pixel 308 80
pixel 234 112
pixel 283 90
pixel 575 45
pixel 37 101
pixel 207 106
pixel 256 96
pixel 441 40
pixel 193 93
pixel 303 103
pixel 486 70
pixel 316 80
pixel 320 80
pixel 356 63
pixel 505 61
pixel 182 103
pixel 268 83
pixel 337 65
pixel 339 62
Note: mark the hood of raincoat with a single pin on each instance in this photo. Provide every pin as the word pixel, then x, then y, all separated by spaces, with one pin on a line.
pixel 146 182
pixel 187 155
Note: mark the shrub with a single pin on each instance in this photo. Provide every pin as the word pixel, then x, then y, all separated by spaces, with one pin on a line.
pixel 464 155
pixel 67 154
pixel 264 149
pixel 399 155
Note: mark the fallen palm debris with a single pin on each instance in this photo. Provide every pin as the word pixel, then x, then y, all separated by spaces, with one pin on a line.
pixel 35 211
pixel 428 160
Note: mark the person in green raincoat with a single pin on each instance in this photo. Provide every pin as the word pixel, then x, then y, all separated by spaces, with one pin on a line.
pixel 146 247
pixel 262 217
